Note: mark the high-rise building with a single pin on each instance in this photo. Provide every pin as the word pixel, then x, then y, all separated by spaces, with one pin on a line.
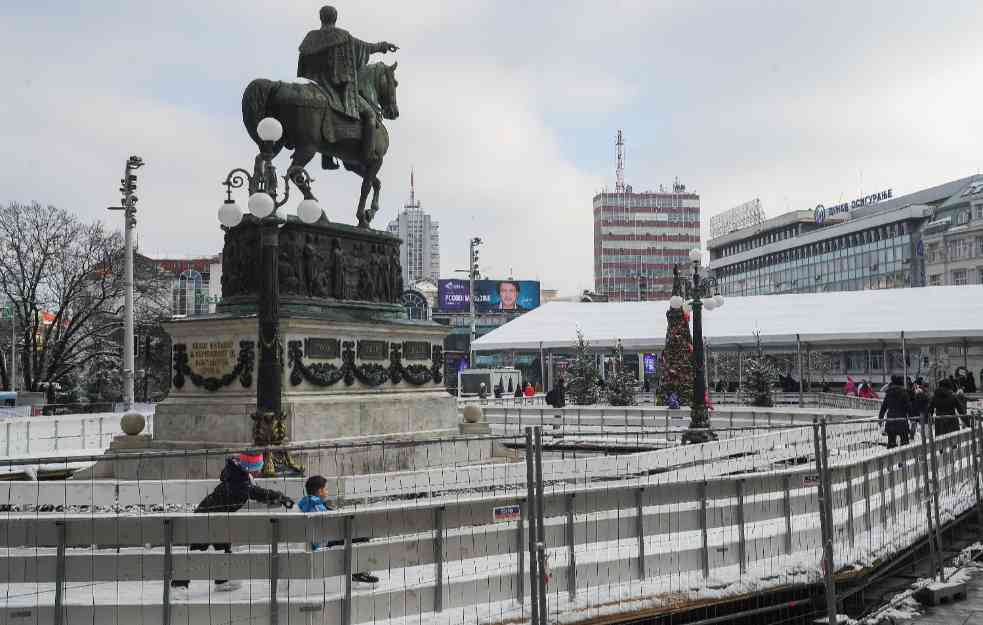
pixel 638 237
pixel 420 252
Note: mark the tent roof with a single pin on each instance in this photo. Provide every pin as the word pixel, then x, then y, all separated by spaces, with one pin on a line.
pixel 925 314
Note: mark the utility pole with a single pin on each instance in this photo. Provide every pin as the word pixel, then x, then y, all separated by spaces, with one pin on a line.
pixel 129 207
pixel 473 275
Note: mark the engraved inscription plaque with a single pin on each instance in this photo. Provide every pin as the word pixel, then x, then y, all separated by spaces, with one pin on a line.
pixel 322 348
pixel 373 350
pixel 213 359
pixel 416 350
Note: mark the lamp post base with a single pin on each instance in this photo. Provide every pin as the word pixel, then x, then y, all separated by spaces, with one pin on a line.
pixel 270 430
pixel 699 427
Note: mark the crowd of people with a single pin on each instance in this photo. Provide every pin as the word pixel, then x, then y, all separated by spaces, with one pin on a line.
pixel 906 405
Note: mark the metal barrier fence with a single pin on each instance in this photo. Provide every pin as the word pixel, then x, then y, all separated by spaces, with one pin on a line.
pixel 809 399
pixel 544 540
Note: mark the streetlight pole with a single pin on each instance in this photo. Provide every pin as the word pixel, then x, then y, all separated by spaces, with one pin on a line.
pixel 129 207
pixel 269 424
pixel 699 426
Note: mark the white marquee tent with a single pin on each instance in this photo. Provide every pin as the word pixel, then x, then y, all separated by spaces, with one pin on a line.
pixel 946 314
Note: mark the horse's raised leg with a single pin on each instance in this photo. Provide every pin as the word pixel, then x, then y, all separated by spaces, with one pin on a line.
pixel 301 157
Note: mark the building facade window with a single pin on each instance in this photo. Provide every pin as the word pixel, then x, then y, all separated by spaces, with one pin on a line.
pixel 935 279
pixel 959 276
pixel 856 361
pixel 876 361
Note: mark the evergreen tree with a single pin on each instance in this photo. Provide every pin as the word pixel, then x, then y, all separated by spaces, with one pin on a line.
pixel 620 390
pixel 761 375
pixel 582 374
pixel 676 361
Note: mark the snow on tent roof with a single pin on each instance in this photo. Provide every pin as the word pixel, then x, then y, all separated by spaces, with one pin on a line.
pixel 925 314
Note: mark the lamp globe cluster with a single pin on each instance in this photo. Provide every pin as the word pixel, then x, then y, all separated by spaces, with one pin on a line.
pixel 261 204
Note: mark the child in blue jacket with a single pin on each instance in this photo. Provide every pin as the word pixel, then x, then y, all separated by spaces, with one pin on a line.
pixel 318 500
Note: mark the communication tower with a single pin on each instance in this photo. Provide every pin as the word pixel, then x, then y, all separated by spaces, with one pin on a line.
pixel 619 172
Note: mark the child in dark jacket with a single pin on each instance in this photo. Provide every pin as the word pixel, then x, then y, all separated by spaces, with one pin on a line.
pixel 234 490
pixel 318 500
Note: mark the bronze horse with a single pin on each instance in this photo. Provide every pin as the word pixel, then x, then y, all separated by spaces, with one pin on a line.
pixel 310 127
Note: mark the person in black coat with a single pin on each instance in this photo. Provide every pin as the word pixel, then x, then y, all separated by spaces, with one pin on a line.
pixel 945 406
pixel 234 490
pixel 919 402
pixel 896 408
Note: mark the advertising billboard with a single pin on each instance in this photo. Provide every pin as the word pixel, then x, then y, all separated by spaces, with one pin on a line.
pixel 489 295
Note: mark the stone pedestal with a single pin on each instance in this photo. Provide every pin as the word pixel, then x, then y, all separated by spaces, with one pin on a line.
pixel 341 379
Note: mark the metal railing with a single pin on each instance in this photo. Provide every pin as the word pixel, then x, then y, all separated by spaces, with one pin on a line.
pixel 613 533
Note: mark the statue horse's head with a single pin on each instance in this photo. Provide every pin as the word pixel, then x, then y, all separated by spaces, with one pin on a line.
pixel 382 83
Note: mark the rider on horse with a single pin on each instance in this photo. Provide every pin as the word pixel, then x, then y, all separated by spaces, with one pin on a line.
pixel 332 58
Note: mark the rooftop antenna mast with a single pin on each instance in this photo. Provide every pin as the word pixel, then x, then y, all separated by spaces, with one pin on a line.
pixel 619 172
pixel 412 203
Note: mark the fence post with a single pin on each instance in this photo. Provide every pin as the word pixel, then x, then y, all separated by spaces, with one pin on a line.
pixel 787 495
pixel 274 570
pixel 974 427
pixel 703 531
pixel 640 530
pixel 346 606
pixel 849 504
pixel 520 594
pixel 822 489
pixel 438 558
pixel 533 517
pixel 540 529
pixel 935 499
pixel 866 469
pixel 54 443
pixel 883 488
pixel 60 574
pixel 571 557
pixel 741 544
pixel 165 617
pixel 892 483
pixel 27 440
pixel 7 431
pixel 82 430
pixel 927 481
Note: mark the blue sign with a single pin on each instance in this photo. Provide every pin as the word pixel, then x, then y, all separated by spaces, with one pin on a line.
pixel 920 248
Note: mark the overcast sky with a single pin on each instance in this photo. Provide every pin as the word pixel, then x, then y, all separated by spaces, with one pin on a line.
pixel 508 109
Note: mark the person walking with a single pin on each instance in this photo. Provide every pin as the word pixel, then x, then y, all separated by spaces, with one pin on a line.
pixel 235 489
pixel 895 413
pixel 944 406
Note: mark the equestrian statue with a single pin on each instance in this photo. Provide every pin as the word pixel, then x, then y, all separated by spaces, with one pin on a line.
pixel 337 115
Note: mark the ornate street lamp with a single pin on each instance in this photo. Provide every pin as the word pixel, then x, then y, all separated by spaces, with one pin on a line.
pixel 699 295
pixel 269 424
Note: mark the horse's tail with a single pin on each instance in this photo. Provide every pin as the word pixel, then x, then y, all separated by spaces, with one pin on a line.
pixel 257 103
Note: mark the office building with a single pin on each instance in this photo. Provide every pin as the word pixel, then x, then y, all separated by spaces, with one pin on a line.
pixel 638 237
pixel 878 241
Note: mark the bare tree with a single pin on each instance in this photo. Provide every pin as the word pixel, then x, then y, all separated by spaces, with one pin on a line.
pixel 65 280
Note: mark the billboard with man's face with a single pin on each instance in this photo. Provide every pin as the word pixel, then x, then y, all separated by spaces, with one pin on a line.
pixel 489 295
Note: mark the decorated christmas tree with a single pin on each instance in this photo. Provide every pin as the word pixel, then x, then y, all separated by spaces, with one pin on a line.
pixel 761 375
pixel 676 362
pixel 582 374
pixel 620 389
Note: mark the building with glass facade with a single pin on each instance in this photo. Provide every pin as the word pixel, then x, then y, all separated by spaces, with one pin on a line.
pixel 865 244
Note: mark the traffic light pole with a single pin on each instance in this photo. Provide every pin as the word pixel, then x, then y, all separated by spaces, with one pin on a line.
pixel 473 275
